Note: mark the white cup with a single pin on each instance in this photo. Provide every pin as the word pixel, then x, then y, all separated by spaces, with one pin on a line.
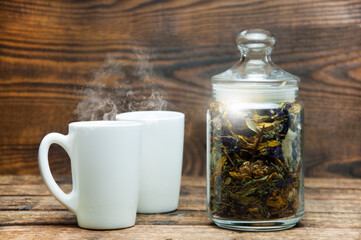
pixel 161 159
pixel 105 159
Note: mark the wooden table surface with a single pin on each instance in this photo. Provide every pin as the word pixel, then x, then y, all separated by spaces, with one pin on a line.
pixel 28 211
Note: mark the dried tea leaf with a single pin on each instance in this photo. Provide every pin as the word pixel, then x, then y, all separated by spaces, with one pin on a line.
pixel 228 181
pixel 252 125
pixel 221 163
pixel 241 199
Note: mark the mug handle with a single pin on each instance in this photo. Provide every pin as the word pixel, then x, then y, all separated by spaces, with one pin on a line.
pixel 68 200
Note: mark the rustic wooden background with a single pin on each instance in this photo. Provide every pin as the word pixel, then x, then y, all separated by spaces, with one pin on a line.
pixel 51 50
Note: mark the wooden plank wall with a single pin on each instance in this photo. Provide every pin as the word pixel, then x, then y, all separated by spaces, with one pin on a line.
pixel 52 50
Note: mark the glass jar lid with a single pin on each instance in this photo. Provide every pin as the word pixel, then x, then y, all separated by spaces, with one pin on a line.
pixel 256 77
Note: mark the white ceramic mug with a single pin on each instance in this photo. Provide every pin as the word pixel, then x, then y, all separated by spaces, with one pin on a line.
pixel 161 160
pixel 105 159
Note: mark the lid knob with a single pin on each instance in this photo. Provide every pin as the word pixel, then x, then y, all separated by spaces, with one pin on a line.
pixel 255 41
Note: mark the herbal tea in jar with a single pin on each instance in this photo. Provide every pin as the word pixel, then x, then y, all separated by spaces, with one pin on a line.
pixel 255 142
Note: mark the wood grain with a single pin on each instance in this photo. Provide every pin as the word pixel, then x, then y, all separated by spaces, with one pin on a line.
pixel 172 232
pixel 332 212
pixel 51 52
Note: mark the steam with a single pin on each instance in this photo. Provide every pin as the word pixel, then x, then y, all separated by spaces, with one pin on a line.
pixel 117 87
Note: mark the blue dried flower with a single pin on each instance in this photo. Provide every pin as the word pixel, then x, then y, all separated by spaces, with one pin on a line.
pixel 228 142
pixel 279 111
pixel 284 183
pixel 292 117
pixel 276 152
pixel 285 128
pixel 288 106
pixel 219 178
pixel 294 153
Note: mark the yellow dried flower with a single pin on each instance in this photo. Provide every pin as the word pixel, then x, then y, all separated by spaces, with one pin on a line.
pixel 276 201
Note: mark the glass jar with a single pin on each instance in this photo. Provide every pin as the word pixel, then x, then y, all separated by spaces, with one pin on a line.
pixel 255 172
